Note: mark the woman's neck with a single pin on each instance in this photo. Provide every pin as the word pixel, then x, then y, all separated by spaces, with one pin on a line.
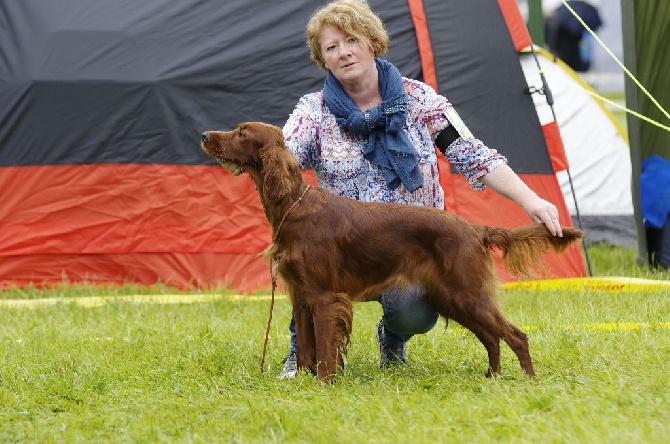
pixel 365 93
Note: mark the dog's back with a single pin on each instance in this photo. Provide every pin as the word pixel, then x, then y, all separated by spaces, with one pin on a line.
pixel 371 244
pixel 368 245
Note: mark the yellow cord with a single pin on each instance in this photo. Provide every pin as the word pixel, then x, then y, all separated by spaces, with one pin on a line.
pixel 624 68
pixel 626 71
pixel 594 94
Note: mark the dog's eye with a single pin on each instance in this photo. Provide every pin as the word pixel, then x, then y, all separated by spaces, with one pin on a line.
pixel 241 134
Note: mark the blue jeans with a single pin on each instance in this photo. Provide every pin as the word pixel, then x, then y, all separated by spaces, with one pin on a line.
pixel 406 313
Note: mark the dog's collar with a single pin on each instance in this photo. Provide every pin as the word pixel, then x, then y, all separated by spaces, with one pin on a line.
pixel 274 239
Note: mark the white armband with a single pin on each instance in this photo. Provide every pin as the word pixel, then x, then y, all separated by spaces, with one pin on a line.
pixel 458 124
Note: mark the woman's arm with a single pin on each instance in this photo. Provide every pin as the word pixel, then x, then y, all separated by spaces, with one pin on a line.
pixel 505 182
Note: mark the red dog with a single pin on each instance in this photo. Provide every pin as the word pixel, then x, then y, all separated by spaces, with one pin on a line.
pixel 331 251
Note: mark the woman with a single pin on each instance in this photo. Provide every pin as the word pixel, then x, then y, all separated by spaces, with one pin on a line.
pixel 370 135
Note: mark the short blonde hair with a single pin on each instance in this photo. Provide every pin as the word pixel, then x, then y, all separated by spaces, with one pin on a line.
pixel 351 17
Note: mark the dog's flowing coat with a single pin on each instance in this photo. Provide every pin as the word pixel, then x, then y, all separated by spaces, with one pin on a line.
pixel 331 251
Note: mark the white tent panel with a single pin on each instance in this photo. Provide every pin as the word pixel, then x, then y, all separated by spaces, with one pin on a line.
pixel 595 146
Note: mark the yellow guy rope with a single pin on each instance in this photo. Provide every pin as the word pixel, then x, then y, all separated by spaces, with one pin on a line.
pixel 614 104
pixel 611 54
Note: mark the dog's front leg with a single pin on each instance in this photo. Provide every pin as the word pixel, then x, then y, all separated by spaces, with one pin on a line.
pixel 333 313
pixel 304 330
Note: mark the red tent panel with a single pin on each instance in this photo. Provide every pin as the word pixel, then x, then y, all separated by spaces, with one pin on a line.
pixel 186 225
pixel 244 272
pixel 515 23
pixel 423 42
pixel 552 134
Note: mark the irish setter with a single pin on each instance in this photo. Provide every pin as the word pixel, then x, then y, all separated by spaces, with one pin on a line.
pixel 331 251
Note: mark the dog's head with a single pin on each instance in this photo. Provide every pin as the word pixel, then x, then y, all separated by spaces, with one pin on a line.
pixel 242 144
pixel 259 149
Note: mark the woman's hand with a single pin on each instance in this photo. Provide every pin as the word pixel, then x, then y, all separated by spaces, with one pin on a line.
pixel 542 211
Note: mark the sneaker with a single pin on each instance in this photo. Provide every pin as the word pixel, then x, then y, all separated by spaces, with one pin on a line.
pixel 290 369
pixel 391 354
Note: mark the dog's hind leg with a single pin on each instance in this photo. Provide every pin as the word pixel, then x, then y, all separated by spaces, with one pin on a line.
pixel 518 342
pixel 306 342
pixel 333 314
pixel 490 341
pixel 489 329
pixel 479 313
pixel 492 345
pixel 475 311
pixel 491 321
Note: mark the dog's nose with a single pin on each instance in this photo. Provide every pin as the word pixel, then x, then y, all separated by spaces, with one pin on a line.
pixel 205 136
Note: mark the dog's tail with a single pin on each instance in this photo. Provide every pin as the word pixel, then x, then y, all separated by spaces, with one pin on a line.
pixel 522 247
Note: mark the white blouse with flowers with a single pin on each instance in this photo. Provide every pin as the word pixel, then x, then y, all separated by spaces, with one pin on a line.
pixel 314 138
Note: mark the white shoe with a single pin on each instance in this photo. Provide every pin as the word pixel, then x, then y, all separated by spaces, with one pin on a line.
pixel 290 369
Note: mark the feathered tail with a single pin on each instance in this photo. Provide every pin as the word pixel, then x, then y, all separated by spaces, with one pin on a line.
pixel 522 247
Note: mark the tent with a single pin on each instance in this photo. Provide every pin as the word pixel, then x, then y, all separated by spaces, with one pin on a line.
pixel 596 187
pixel 102 104
pixel 645 35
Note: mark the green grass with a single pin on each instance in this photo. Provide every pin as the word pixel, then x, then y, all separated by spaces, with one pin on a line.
pixel 611 260
pixel 136 372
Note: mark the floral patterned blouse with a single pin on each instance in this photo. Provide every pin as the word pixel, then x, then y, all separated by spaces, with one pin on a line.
pixel 314 138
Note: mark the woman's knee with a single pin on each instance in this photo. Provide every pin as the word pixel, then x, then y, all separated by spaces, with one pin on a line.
pixel 407 311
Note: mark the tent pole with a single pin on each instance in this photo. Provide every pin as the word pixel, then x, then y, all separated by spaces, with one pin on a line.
pixel 579 221
pixel 550 100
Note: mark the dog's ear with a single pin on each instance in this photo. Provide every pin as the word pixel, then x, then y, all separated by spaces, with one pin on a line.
pixel 280 169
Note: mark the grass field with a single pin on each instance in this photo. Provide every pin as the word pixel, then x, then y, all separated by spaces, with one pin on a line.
pixel 126 371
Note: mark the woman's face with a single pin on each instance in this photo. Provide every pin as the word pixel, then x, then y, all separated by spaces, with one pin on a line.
pixel 349 60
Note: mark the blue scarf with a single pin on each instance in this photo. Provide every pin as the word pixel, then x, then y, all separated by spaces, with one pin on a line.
pixel 388 145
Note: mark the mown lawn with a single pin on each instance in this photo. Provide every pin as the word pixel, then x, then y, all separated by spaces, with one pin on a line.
pixel 128 371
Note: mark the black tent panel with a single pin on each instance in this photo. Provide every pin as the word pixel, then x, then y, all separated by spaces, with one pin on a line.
pixel 121 82
pixel 128 82
pixel 403 51
pixel 478 70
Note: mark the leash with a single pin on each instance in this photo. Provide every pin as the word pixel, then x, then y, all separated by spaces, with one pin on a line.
pixel 273 276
